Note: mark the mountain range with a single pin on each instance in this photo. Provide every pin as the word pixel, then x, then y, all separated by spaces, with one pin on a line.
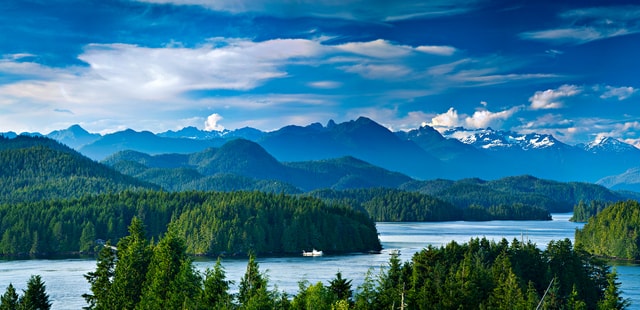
pixel 39 168
pixel 423 153
pixel 244 165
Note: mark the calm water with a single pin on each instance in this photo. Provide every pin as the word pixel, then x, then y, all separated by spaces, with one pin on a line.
pixel 65 283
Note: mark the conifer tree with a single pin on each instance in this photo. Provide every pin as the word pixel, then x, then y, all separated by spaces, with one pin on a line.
pixel 134 255
pixel 171 282
pixel 367 293
pixel 35 296
pixel 215 293
pixel 340 288
pixel 507 294
pixel 389 291
pixel 253 292
pixel 612 299
pixel 10 299
pixel 573 302
pixel 101 280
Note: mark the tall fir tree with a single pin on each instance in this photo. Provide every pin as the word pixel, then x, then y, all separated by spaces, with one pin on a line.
pixel 215 294
pixel 35 296
pixel 171 282
pixel 340 288
pixel 612 299
pixel 10 299
pixel 101 280
pixel 134 255
pixel 253 292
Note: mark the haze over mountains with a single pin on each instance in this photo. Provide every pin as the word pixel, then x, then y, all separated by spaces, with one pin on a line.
pixel 422 153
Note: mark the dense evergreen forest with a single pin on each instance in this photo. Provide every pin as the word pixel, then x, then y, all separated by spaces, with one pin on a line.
pixel 582 212
pixel 212 223
pixel 526 190
pixel 614 232
pixel 33 169
pixel 480 274
pixel 392 205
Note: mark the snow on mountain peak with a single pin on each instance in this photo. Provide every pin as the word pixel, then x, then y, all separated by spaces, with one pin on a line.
pixel 604 143
pixel 497 139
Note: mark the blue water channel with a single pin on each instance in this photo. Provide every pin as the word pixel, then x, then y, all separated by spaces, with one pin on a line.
pixel 65 281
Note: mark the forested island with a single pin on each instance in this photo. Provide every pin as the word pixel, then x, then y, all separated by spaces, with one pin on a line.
pixel 212 223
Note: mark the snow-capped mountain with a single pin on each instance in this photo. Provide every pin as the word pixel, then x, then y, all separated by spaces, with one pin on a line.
pixel 490 139
pixel 605 144
pixel 194 133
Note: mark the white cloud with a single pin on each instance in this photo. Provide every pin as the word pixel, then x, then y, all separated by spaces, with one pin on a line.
pixel 552 98
pixel 437 50
pixel 565 35
pixel 546 121
pixel 484 118
pixel 590 24
pixel 374 71
pixel 325 84
pixel 448 119
pixel 122 72
pixel 212 123
pixel 378 49
pixel 477 72
pixel 634 142
pixel 626 130
pixel 240 64
pixel 621 93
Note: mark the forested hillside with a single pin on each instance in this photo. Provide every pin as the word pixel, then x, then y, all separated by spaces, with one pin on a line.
pixel 33 168
pixel 392 205
pixel 614 232
pixel 526 190
pixel 212 223
pixel 244 165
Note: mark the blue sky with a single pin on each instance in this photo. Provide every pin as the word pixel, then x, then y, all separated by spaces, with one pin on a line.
pixel 567 68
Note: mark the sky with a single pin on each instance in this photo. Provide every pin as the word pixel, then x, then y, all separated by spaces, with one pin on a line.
pixel 566 68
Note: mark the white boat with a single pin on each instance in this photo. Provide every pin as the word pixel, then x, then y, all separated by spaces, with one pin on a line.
pixel 314 252
pixel 395 252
